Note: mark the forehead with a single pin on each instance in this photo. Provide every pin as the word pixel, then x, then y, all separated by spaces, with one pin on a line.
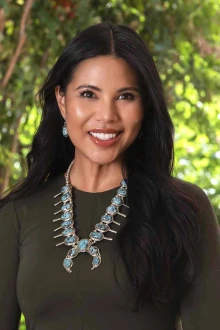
pixel 106 70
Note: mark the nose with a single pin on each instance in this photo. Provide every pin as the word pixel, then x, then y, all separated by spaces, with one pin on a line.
pixel 107 112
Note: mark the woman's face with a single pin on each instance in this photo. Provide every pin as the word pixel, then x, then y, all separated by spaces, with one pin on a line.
pixel 103 108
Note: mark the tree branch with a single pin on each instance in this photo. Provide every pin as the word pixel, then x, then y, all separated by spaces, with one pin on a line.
pixel 21 42
pixel 2 19
pixel 2 23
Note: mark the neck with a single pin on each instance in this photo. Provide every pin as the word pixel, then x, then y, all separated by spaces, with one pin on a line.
pixel 88 176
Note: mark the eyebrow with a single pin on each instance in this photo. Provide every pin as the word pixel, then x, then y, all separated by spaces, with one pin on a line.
pixel 120 90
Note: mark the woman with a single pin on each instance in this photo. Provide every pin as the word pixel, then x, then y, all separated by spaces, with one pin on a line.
pixel 100 181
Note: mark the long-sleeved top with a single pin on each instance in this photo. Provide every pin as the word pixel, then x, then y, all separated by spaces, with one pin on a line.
pixel 33 280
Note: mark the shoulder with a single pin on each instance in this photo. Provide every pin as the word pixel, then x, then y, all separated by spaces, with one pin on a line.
pixel 196 194
pixel 44 190
pixel 190 189
pixel 38 201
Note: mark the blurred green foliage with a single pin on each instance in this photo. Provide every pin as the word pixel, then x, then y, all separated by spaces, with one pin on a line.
pixel 183 36
pixel 22 323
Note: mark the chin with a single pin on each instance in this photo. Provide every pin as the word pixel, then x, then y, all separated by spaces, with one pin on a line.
pixel 103 160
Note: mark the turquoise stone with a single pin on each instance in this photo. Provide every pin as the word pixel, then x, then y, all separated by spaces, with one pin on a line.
pixel 65 197
pixel 67 224
pixel 65 189
pixel 67 263
pixel 70 240
pixel 102 226
pixel 68 231
pixel 64 130
pixel 83 244
pixel 66 207
pixel 73 253
pixel 106 218
pixel 117 201
pixel 96 261
pixel 111 209
pixel 96 235
pixel 124 183
pixel 66 216
pixel 122 192
pixel 93 251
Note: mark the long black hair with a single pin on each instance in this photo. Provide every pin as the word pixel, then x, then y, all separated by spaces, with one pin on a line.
pixel 161 230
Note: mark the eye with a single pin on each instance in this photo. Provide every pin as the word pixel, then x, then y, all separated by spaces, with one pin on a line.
pixel 127 96
pixel 87 94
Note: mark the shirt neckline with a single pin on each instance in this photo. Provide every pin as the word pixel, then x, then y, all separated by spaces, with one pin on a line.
pixel 88 193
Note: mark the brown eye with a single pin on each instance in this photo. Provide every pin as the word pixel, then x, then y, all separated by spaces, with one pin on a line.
pixel 87 94
pixel 127 96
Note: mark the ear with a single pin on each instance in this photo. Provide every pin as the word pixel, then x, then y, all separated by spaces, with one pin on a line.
pixel 60 96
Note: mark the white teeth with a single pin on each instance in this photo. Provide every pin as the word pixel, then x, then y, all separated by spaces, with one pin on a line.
pixel 102 136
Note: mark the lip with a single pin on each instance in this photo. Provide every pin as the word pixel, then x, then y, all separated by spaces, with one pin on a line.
pixel 104 143
pixel 105 130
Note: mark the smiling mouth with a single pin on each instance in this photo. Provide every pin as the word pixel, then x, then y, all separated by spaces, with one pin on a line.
pixel 104 136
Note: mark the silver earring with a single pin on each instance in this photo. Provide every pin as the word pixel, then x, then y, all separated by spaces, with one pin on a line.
pixel 64 129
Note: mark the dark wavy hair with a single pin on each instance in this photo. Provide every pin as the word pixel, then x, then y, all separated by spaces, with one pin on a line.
pixel 157 244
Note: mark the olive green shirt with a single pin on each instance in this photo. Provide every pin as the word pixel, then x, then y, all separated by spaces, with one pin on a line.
pixel 33 280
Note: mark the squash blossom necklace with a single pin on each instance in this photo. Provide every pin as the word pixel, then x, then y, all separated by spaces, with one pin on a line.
pixel 67 226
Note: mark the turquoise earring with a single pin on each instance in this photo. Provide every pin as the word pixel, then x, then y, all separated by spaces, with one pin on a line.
pixel 64 129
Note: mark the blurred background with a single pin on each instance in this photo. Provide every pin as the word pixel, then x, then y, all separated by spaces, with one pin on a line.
pixel 184 38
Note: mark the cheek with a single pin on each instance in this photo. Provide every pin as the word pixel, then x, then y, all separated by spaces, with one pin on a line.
pixel 79 112
pixel 134 119
pixel 76 116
